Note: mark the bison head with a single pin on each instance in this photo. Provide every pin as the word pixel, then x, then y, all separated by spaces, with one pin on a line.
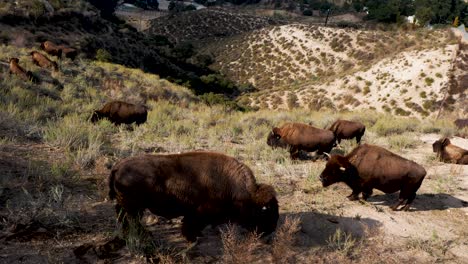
pixel 338 169
pixel 274 139
pixel 15 60
pixel 95 116
pixel 265 215
pixel 440 144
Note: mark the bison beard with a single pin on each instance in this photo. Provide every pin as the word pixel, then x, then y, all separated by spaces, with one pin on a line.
pixel 203 187
pixel 368 167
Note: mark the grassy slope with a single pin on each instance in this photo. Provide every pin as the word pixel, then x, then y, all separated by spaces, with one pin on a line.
pixel 55 163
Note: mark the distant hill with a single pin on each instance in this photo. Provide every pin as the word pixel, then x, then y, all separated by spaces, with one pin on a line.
pixel 206 24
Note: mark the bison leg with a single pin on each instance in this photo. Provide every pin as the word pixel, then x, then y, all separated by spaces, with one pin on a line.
pixel 191 227
pixel 353 196
pixel 408 202
pixel 358 139
pixel 400 202
pixel 366 194
pixel 294 153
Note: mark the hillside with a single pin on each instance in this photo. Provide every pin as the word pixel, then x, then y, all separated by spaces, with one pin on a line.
pixel 55 164
pixel 344 68
pixel 207 24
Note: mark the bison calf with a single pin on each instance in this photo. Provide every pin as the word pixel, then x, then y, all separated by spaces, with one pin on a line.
pixel 344 129
pixel 297 136
pixel 203 187
pixel 119 112
pixel 42 61
pixel 449 153
pixel 370 167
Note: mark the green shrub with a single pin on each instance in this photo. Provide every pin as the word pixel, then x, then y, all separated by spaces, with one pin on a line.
pixel 388 125
pixel 103 55
pixel 429 81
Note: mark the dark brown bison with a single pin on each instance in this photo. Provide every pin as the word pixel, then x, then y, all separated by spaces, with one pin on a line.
pixel 119 112
pixel 297 136
pixel 51 48
pixel 449 153
pixel 344 129
pixel 42 61
pixel 368 167
pixel 203 187
pixel 461 123
pixel 16 69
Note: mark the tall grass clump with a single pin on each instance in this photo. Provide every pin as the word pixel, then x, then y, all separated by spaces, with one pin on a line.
pixel 238 248
pixel 342 242
pixel 388 125
pixel 403 141
pixel 285 239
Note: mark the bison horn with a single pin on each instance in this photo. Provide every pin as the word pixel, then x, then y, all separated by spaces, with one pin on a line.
pixel 328 155
pixel 342 168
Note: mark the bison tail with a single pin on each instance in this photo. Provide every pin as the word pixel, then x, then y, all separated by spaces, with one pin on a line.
pixel 112 192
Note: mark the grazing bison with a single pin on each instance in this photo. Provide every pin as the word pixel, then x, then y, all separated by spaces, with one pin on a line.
pixel 119 112
pixel 51 48
pixel 344 129
pixel 297 136
pixel 449 153
pixel 461 123
pixel 16 69
pixel 203 187
pixel 368 167
pixel 42 61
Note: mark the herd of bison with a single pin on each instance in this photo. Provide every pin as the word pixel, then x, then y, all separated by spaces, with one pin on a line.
pixel 209 188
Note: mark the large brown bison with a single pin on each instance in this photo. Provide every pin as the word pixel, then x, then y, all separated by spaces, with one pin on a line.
pixel 59 50
pixel 42 61
pixel 449 153
pixel 16 69
pixel 203 187
pixel 344 129
pixel 461 123
pixel 51 48
pixel 297 136
pixel 368 167
pixel 119 112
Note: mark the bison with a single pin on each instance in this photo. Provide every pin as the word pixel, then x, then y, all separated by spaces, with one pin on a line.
pixel 344 129
pixel 461 123
pixel 16 69
pixel 203 187
pixel 42 61
pixel 297 136
pixel 68 52
pixel 368 167
pixel 119 112
pixel 449 153
pixel 51 48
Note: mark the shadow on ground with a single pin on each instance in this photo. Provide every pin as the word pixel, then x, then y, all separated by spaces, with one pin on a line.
pixel 423 202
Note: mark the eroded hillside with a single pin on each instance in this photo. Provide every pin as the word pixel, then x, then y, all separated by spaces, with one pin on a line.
pixel 403 72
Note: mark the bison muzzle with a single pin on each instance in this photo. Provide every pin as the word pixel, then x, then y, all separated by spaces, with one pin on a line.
pixel 203 187
pixel 370 167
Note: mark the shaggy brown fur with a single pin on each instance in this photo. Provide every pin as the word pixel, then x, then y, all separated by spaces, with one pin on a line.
pixel 297 136
pixel 119 112
pixel 344 129
pixel 51 48
pixel 42 61
pixel 368 167
pixel 449 153
pixel 16 69
pixel 204 187
pixel 461 123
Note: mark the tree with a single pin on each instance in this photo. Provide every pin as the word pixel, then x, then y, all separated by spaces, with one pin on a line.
pixel 423 15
